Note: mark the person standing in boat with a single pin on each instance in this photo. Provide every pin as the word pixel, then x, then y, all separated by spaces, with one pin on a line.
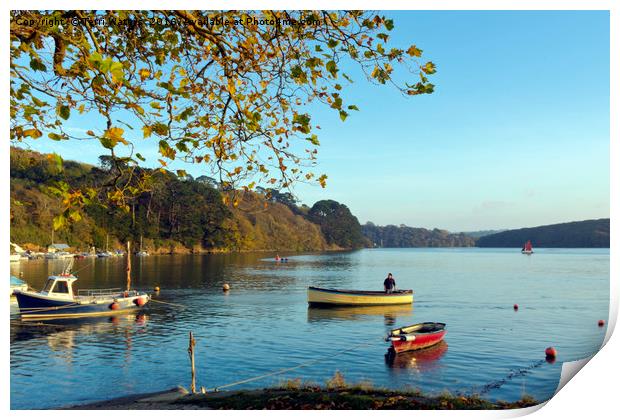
pixel 389 283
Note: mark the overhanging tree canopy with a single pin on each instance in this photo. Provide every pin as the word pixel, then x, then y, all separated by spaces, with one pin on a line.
pixel 224 89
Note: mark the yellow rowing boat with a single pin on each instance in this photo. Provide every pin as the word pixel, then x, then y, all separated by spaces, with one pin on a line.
pixel 335 297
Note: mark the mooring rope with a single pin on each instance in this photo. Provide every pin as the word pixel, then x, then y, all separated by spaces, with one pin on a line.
pixel 82 268
pixel 292 368
pixel 514 373
pixel 167 303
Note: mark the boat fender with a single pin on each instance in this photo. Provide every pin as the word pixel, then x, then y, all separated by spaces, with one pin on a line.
pixel 139 301
pixel 407 338
pixel 114 306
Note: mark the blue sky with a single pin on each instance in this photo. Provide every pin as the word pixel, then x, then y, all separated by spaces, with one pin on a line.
pixel 516 133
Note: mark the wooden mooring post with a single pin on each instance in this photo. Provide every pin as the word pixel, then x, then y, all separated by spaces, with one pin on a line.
pixel 128 266
pixel 190 350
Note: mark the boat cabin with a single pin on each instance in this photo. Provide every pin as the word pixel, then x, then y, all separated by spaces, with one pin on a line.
pixel 59 286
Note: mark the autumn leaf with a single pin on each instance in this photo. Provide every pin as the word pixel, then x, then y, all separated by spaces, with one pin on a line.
pixel 144 74
pixel 111 137
pixel 33 132
pixel 428 68
pixel 414 51
pixel 63 111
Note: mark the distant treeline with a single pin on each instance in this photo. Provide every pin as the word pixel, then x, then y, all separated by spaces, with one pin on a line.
pixel 402 236
pixel 179 214
pixel 585 234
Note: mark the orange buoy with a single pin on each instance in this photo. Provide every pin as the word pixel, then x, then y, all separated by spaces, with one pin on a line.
pixel 156 288
pixel 140 301
pixel 226 287
pixel 114 306
pixel 551 353
pixel 515 307
pixel 601 322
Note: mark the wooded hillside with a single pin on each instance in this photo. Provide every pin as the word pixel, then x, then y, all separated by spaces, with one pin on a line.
pixel 584 234
pixel 174 215
pixel 402 236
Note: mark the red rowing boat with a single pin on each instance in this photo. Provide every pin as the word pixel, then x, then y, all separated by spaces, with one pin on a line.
pixel 417 336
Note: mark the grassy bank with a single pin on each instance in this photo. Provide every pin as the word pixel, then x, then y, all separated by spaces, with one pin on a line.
pixel 306 397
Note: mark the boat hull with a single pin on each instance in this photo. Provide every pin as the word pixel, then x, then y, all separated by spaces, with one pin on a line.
pixel 333 297
pixel 14 289
pixel 32 305
pixel 17 284
pixel 408 339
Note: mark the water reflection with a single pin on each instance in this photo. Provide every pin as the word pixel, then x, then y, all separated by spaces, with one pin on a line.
pixel 61 333
pixel 390 313
pixel 418 361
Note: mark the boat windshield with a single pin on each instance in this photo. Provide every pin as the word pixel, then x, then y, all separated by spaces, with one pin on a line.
pixel 61 287
pixel 48 285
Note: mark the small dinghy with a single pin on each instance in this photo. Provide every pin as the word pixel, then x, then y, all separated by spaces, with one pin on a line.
pixel 416 337
pixel 335 297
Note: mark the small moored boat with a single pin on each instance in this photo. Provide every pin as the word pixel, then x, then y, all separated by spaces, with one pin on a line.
pixel 527 248
pixel 57 299
pixel 417 336
pixel 335 297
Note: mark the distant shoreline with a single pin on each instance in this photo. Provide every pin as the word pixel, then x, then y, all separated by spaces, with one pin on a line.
pixel 302 252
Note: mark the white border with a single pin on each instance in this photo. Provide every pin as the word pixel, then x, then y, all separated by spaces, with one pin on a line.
pixel 592 395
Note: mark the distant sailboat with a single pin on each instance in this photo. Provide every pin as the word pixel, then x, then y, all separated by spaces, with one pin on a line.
pixel 142 252
pixel 527 248
pixel 105 254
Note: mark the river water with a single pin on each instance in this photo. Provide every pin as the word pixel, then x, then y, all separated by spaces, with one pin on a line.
pixel 264 324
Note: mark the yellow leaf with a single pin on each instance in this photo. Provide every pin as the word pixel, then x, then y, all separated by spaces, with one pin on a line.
pixel 144 73
pixel 33 132
pixel 115 134
pixel 414 51
pixel 231 87
pixel 146 131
